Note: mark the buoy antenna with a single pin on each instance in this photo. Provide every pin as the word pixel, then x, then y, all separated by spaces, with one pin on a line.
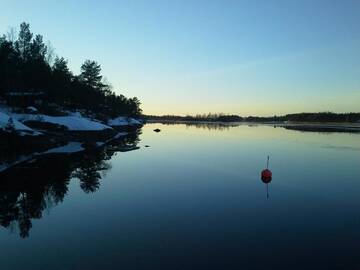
pixel 267 164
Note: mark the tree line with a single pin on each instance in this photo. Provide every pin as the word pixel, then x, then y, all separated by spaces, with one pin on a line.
pixel 297 117
pixel 210 117
pixel 28 64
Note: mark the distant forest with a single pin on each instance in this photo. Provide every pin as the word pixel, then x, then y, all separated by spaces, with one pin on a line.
pixel 28 64
pixel 297 117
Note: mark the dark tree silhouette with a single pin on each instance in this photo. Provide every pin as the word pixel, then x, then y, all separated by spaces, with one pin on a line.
pixel 90 74
pixel 23 44
pixel 60 68
pixel 38 48
pixel 297 117
pixel 25 65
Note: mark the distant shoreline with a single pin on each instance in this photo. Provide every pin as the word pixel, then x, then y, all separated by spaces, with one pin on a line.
pixel 319 117
pixel 300 126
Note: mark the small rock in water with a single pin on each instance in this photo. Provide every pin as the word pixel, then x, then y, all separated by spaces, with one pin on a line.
pixel 157 130
pixel 147 145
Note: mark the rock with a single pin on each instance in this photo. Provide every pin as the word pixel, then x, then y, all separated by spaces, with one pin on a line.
pixel 157 130
pixel 147 145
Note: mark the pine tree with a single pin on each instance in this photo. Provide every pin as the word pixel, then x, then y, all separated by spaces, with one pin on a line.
pixel 23 44
pixel 90 74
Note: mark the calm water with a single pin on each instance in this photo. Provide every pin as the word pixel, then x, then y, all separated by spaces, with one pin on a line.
pixel 192 200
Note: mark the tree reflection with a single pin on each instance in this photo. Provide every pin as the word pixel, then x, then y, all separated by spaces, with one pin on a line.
pixel 89 170
pixel 26 192
pixel 220 126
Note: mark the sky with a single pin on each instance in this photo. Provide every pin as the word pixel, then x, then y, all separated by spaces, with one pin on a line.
pixel 247 57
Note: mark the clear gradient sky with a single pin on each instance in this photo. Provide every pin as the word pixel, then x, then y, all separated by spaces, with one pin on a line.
pixel 249 57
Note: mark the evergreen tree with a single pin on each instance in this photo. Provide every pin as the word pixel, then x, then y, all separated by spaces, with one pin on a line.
pixel 25 65
pixel 23 43
pixel 90 74
pixel 9 75
pixel 60 68
pixel 38 48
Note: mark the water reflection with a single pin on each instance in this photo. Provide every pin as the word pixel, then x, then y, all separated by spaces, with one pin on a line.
pixel 26 191
pixel 305 127
pixel 324 128
pixel 205 125
pixel 89 170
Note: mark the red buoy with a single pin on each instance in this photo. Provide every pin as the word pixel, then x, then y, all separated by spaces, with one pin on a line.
pixel 266 176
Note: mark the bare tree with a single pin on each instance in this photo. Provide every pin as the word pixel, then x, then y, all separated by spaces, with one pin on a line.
pixel 11 34
pixel 50 54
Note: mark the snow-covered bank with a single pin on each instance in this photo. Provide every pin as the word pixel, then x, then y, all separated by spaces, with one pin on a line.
pixel 72 123
pixel 69 134
pixel 76 122
pixel 4 119
pixel 17 125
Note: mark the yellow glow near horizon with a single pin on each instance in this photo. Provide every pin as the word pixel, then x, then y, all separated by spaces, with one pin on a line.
pixel 351 103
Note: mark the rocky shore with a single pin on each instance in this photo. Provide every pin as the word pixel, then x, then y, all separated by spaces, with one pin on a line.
pixel 25 137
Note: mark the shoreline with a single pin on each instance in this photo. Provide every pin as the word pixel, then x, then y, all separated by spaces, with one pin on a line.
pixel 60 143
pixel 300 126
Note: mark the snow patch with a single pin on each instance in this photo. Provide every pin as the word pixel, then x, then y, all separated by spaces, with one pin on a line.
pixel 23 130
pixel 73 123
